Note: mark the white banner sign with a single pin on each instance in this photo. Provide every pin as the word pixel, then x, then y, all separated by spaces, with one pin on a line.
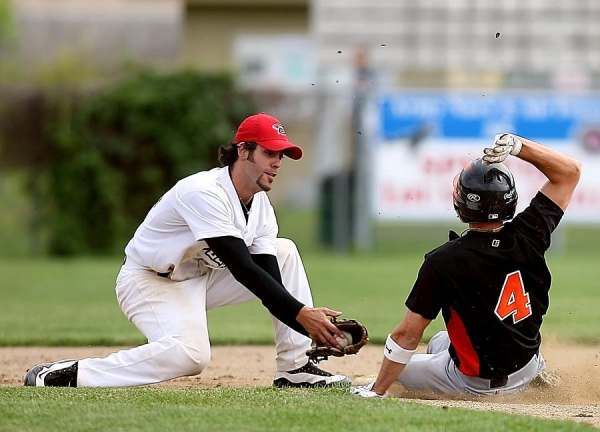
pixel 416 183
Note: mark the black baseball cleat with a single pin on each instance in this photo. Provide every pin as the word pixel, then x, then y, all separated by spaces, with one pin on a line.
pixel 309 375
pixel 58 374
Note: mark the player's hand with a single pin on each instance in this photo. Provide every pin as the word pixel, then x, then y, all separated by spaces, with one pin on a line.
pixel 504 144
pixel 365 391
pixel 319 326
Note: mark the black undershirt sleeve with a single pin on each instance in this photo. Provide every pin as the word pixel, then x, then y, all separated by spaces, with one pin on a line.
pixel 261 276
pixel 269 264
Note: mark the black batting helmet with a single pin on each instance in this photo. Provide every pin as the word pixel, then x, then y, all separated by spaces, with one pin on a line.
pixel 485 193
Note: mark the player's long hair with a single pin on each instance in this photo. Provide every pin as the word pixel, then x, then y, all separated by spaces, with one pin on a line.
pixel 228 154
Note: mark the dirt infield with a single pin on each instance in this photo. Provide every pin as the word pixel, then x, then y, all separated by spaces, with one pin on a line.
pixel 577 398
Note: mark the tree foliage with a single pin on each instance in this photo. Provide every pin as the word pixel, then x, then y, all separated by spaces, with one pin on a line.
pixel 110 155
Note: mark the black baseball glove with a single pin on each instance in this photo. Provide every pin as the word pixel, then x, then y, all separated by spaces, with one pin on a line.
pixel 354 330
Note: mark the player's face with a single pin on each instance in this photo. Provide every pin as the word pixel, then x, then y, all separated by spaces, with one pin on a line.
pixel 264 166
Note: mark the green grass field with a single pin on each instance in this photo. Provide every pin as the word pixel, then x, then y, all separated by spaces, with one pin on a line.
pixel 153 409
pixel 72 302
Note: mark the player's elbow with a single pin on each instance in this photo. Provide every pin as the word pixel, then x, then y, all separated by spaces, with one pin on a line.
pixel 571 171
pixel 576 170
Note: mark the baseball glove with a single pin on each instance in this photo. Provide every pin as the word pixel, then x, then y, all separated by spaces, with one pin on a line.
pixel 354 329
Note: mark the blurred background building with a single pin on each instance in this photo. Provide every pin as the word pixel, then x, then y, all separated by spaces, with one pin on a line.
pixel 330 69
pixel 100 33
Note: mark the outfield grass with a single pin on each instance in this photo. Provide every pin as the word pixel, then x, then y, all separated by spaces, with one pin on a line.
pixel 154 409
pixel 72 302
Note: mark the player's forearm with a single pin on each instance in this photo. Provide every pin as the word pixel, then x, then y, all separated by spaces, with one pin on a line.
pixel 269 264
pixel 557 167
pixel 405 337
pixel 388 373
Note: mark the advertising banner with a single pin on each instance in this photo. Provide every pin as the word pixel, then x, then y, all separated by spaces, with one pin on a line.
pixel 427 137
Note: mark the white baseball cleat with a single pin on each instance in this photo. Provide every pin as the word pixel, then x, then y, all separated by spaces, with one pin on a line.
pixel 58 374
pixel 309 375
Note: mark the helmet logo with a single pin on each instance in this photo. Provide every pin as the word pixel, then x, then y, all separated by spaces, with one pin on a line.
pixel 493 216
pixel 473 197
pixel 509 195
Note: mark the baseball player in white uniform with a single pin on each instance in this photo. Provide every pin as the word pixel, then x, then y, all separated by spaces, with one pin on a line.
pixel 210 241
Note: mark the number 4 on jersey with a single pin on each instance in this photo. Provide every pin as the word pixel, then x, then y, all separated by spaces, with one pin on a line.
pixel 513 300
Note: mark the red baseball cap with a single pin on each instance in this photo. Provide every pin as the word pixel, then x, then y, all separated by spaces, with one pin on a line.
pixel 267 132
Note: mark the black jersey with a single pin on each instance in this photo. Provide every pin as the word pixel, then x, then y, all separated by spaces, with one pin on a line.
pixel 492 288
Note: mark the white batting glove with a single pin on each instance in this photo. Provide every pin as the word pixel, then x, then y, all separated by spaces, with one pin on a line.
pixel 504 144
pixel 365 391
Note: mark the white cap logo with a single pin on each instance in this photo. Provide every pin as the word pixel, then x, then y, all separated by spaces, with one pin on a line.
pixel 279 128
pixel 473 197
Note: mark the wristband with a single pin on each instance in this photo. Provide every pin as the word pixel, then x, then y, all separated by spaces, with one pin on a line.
pixel 394 352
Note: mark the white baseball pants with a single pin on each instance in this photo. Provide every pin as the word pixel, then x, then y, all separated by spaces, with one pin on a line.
pixel 436 372
pixel 172 316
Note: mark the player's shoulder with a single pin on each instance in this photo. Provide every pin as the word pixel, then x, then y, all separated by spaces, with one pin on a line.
pixel 203 182
pixel 540 205
pixel 541 216
pixel 441 253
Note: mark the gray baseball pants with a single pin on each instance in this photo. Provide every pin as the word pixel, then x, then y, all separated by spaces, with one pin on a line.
pixel 436 372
